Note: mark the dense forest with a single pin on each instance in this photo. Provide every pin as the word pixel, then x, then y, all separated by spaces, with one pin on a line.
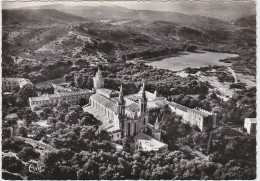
pixel 86 153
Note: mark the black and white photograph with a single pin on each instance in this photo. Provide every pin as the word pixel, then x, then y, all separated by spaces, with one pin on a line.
pixel 129 90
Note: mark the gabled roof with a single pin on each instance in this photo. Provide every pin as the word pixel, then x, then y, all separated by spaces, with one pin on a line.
pixel 178 106
pixel 60 95
pixel 106 102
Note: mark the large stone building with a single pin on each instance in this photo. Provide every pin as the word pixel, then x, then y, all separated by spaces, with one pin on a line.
pixel 9 84
pixel 129 115
pixel 124 115
pixel 120 116
pixel 195 117
pixel 60 96
pixel 106 105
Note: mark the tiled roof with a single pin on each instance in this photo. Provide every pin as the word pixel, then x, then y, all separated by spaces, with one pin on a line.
pixel 106 102
pixel 107 91
pixel 150 96
pixel 203 113
pixel 178 106
pixel 81 92
pixel 60 95
pixel 40 98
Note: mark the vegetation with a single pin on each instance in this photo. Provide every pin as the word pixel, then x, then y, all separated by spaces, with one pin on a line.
pixel 78 149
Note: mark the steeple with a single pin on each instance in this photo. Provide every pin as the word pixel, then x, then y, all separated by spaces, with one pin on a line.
pixel 156 93
pixel 143 101
pixel 143 92
pixel 121 103
pixel 121 94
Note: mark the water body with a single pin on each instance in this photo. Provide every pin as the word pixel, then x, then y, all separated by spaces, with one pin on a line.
pixel 193 60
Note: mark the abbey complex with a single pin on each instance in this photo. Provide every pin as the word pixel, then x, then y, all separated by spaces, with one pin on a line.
pixel 122 115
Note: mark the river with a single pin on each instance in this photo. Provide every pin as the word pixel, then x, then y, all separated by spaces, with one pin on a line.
pixel 193 60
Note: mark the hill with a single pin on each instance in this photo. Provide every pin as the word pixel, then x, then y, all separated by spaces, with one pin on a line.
pixel 118 13
pixel 248 21
pixel 39 16
pixel 49 35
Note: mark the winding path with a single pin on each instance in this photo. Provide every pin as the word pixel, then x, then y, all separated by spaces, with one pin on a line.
pixel 37 143
pixel 233 73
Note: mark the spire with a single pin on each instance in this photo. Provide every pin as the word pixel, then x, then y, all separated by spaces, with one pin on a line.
pixel 121 94
pixel 156 93
pixel 143 91
pixel 121 103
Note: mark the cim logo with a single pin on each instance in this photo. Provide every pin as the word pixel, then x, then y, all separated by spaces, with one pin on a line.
pixel 36 168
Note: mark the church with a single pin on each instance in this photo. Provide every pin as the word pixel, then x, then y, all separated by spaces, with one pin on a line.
pixel 124 115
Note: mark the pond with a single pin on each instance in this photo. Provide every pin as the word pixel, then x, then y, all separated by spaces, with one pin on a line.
pixel 193 60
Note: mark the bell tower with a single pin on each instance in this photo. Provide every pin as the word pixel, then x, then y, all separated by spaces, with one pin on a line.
pixel 143 101
pixel 121 103
pixel 121 111
pixel 98 80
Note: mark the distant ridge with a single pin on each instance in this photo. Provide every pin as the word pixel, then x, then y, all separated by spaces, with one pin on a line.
pixel 20 16
pixel 116 13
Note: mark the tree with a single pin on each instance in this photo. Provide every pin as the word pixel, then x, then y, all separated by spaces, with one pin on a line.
pixel 88 132
pixel 24 94
pixel 46 111
pixel 6 133
pixel 82 102
pixel 28 116
pixel 23 131
pixel 72 117
pixel 78 80
pixel 28 153
pixel 12 164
